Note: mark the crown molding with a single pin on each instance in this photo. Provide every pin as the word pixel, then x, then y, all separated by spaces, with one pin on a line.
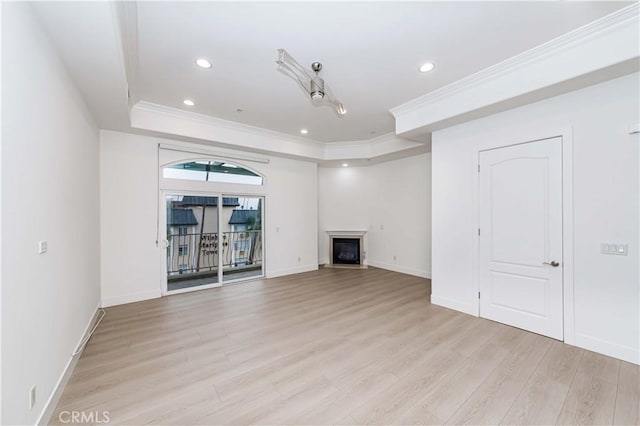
pixel 153 117
pixel 126 22
pixel 368 149
pixel 234 126
pixel 622 24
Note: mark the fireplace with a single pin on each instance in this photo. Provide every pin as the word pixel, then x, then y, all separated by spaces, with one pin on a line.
pixel 347 249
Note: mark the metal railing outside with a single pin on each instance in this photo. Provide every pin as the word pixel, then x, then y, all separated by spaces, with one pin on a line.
pixel 191 253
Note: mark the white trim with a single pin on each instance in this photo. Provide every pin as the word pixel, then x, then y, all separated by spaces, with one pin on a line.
pixel 290 271
pixel 599 45
pixel 475 241
pixel 1 179
pixel 367 149
pixel 126 21
pixel 219 132
pixel 58 389
pixel 346 233
pixel 456 305
pixel 194 117
pixel 244 279
pixel 131 298
pixel 191 289
pixel 422 273
pixel 625 353
pixel 173 121
pixel 216 154
pixel 567 236
pixel 519 136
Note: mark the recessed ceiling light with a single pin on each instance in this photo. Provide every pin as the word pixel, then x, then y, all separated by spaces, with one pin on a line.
pixel 426 67
pixel 188 102
pixel 345 165
pixel 203 63
pixel 304 131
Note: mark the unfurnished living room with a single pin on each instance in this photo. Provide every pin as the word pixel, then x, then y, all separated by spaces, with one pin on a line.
pixel 320 213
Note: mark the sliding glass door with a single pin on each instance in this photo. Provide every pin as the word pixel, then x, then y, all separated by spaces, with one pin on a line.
pixel 192 241
pixel 204 232
pixel 242 240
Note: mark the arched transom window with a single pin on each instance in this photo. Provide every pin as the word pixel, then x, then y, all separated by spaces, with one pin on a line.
pixel 212 171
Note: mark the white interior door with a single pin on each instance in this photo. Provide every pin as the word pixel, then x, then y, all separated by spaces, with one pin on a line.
pixel 520 206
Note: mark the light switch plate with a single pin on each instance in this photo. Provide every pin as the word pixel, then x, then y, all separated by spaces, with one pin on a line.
pixel 614 248
pixel 43 246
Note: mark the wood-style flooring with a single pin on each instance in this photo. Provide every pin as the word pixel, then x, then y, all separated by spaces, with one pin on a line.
pixel 336 347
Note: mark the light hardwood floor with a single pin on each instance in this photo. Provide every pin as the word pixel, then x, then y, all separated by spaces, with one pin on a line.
pixel 336 346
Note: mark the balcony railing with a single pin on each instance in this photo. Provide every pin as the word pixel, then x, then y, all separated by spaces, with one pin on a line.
pixel 192 253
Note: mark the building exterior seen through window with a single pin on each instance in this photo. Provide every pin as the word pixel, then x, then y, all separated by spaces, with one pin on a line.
pixel 195 241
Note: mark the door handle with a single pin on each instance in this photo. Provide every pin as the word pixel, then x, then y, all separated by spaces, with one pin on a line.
pixel 553 263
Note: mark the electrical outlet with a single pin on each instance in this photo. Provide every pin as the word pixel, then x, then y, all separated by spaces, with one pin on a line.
pixel 32 397
pixel 43 246
pixel 299 259
pixel 394 257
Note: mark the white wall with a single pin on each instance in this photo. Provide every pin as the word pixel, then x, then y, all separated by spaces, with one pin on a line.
pixel 605 191
pixel 343 205
pixel 390 200
pixel 49 192
pixel 400 214
pixel 132 263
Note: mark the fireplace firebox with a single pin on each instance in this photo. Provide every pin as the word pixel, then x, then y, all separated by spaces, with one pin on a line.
pixel 346 251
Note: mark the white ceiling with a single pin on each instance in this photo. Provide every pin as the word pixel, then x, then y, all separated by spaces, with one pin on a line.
pixel 370 52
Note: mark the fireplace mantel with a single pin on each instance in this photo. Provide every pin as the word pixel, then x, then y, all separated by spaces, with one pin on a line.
pixel 346 233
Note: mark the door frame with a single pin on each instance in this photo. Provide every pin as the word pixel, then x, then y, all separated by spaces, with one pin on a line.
pixel 518 137
pixel 162 221
pixel 193 187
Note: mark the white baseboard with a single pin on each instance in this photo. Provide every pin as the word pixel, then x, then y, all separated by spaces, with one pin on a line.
pixel 130 298
pixel 402 269
pixel 605 347
pixel 456 305
pixel 54 398
pixel 296 270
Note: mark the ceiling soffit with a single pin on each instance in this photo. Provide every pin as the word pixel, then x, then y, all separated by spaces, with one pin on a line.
pixel 604 41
